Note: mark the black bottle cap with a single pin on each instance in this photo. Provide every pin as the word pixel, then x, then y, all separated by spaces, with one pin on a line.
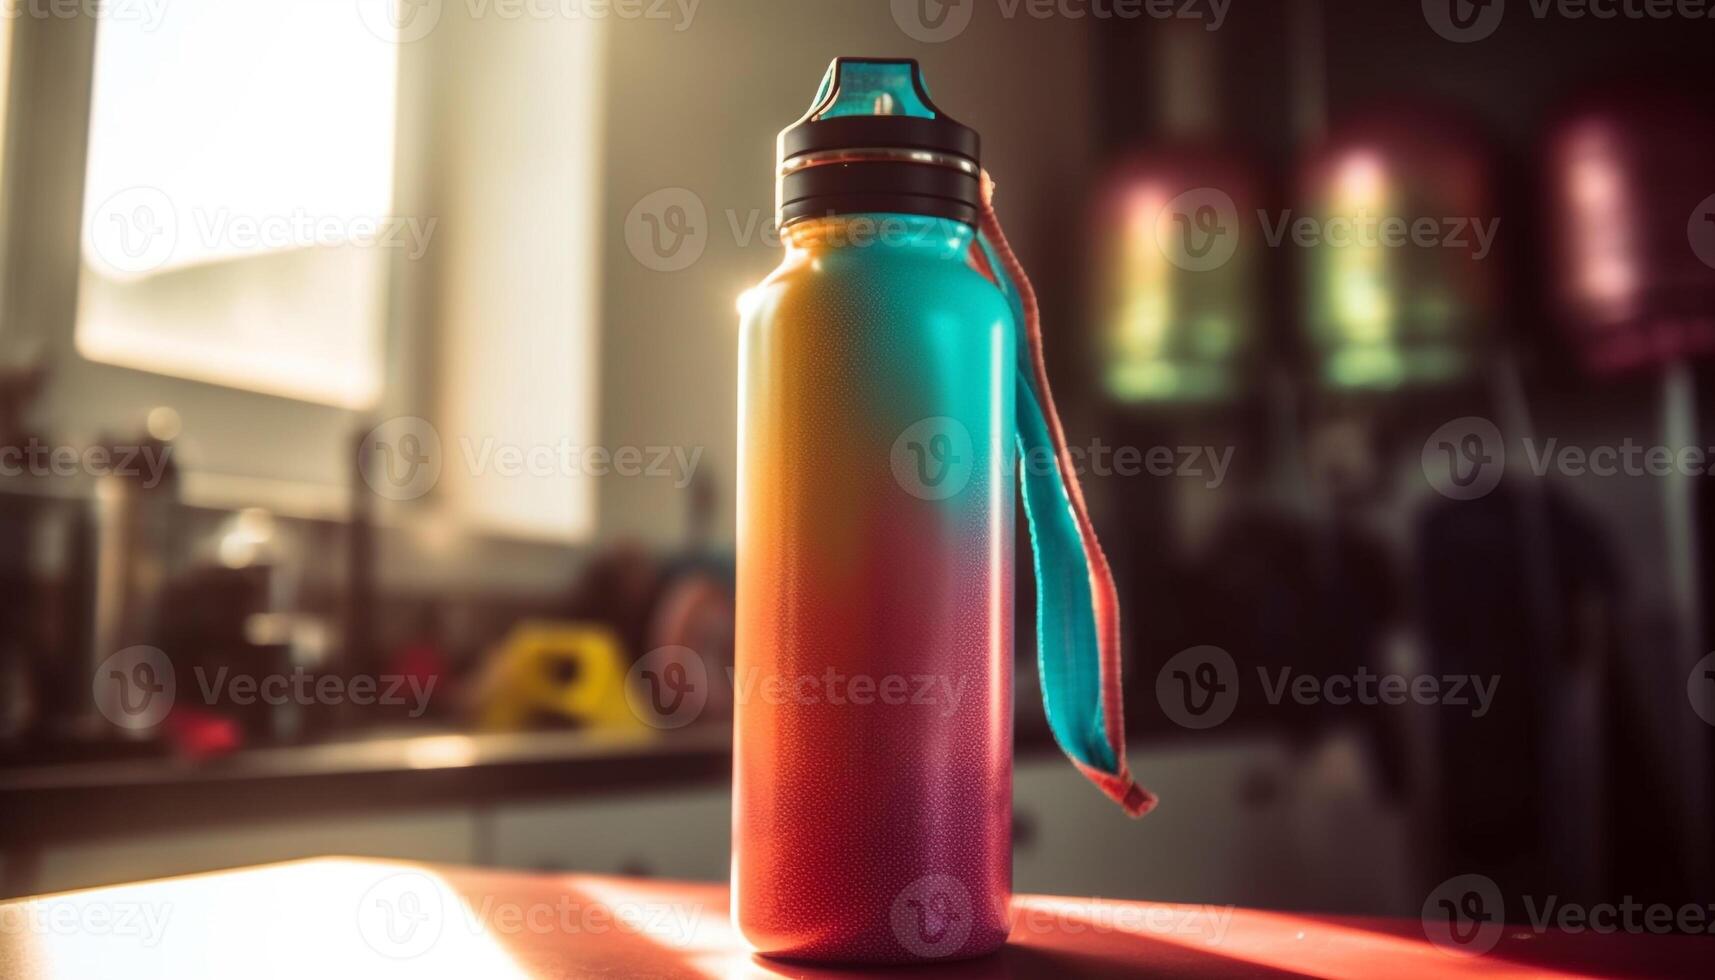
pixel 873 141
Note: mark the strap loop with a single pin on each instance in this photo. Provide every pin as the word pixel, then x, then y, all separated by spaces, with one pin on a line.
pixel 1077 609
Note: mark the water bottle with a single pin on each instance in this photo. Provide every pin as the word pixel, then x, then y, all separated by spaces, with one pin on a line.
pixel 890 387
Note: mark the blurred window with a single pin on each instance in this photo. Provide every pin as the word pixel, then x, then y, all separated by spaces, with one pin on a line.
pixel 517 277
pixel 237 223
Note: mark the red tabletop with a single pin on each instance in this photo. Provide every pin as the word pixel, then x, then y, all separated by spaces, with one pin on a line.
pixel 334 917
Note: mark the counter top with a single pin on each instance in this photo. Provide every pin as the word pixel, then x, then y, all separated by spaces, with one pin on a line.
pixel 40 805
pixel 338 917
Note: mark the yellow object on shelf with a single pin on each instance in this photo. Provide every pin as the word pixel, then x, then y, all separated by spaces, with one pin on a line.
pixel 545 671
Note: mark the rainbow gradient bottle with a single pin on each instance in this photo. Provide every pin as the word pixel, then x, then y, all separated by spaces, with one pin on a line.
pixel 879 438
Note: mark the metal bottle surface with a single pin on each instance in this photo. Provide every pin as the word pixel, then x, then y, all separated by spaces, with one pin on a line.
pixel 873 732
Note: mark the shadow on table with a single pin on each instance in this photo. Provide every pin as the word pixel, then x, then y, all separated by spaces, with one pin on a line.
pixel 1017 962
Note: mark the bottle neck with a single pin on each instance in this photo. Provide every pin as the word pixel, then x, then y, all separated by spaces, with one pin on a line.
pixel 931 236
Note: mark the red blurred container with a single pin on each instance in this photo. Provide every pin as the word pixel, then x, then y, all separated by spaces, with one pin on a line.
pixel 1630 179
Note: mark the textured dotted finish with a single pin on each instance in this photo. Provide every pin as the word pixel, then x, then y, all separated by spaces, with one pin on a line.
pixel 873 740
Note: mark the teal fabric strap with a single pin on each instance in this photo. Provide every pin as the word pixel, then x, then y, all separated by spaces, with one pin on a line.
pixel 1066 652
pixel 1077 626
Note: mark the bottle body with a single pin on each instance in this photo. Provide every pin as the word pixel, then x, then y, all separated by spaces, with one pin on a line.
pixel 873 674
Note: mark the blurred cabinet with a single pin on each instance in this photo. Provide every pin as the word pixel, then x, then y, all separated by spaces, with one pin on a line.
pixel 1242 821
pixel 678 834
